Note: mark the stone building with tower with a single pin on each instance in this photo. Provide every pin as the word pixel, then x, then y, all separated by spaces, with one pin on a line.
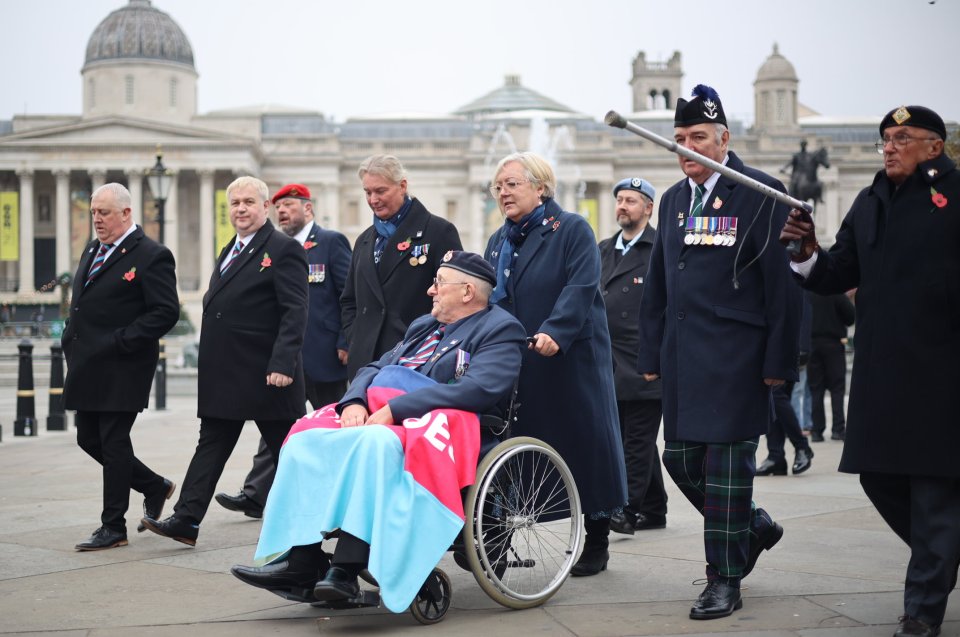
pixel 140 91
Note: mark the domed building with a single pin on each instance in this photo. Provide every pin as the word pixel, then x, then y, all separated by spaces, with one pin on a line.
pixel 140 92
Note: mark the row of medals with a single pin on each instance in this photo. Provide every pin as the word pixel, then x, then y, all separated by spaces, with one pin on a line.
pixel 418 255
pixel 710 231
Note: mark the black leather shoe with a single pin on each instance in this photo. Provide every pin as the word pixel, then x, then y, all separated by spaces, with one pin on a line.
pixel 153 504
pixel 766 541
pixel 174 528
pixel 772 468
pixel 801 461
pixel 623 522
pixel 910 627
pixel 103 538
pixel 240 502
pixel 816 437
pixel 282 578
pixel 336 585
pixel 716 600
pixel 629 522
pixel 838 435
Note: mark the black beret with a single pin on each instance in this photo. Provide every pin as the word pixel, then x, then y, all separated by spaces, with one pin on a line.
pixel 918 116
pixel 470 263
pixel 704 108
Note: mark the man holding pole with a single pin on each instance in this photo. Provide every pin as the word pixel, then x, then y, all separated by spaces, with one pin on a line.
pixel 719 323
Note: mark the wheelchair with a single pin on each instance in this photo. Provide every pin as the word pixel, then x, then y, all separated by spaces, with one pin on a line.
pixel 522 534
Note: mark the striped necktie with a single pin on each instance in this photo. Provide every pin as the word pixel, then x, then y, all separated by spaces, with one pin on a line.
pixel 697 200
pixel 425 351
pixel 237 249
pixel 98 262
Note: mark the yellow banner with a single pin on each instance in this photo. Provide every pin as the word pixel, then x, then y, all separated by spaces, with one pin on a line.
pixel 9 226
pixel 588 208
pixel 221 221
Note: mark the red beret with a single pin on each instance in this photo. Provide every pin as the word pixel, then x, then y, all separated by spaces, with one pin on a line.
pixel 296 191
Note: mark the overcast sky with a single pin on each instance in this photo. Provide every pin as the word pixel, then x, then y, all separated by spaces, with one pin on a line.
pixel 357 57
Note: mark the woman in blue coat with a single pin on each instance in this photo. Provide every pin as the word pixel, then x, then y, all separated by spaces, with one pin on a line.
pixel 548 274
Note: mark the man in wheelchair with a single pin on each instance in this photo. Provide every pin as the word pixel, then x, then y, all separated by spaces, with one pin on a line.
pixel 379 487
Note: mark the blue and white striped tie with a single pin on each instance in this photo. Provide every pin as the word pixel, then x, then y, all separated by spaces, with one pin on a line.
pixel 425 351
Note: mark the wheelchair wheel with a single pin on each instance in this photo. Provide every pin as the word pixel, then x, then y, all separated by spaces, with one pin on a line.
pixel 523 526
pixel 433 600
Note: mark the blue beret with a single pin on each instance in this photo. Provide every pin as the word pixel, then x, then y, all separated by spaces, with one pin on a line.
pixel 635 183
pixel 470 263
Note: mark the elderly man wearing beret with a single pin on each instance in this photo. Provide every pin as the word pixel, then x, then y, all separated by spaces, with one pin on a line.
pixel 324 345
pixel 472 349
pixel 623 267
pixel 898 247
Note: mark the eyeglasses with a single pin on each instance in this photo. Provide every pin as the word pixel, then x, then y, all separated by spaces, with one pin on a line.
pixel 437 282
pixel 900 141
pixel 509 185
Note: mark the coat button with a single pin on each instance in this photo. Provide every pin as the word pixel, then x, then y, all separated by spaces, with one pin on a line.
pixel 681 265
pixel 623 315
pixel 625 289
pixel 605 292
pixel 680 316
pixel 218 314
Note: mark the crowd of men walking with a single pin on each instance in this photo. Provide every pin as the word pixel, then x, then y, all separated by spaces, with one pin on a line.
pixel 702 322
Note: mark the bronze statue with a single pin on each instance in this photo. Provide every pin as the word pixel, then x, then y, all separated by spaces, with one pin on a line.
pixel 804 184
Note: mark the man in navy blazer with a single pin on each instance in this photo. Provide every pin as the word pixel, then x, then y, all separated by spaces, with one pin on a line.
pixel 324 345
pixel 124 300
pixel 254 315
pixel 719 322
pixel 475 362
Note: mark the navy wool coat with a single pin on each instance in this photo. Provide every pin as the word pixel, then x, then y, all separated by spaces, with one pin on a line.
pixel 380 301
pixel 567 400
pixel 253 323
pixel 492 338
pixel 713 342
pixel 330 251
pixel 900 250
pixel 111 341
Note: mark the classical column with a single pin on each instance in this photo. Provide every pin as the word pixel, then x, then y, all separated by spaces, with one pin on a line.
pixel 171 233
pixel 207 214
pixel 331 206
pixel 62 222
pixel 606 206
pixel 135 181
pixel 477 225
pixel 98 177
pixel 27 284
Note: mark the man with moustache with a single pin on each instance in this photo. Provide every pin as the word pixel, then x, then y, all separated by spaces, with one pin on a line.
pixel 393 263
pixel 623 266
pixel 254 315
pixel 898 247
pixel 719 322
pixel 124 300
pixel 324 347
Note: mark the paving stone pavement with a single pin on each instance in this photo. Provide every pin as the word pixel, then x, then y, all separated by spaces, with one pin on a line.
pixel 837 572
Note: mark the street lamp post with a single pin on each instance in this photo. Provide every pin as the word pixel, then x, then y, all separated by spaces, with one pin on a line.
pixel 160 181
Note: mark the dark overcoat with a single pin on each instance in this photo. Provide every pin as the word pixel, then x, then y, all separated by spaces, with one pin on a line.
pixel 900 250
pixel 380 301
pixel 567 400
pixel 253 323
pixel 330 251
pixel 492 338
pixel 621 283
pixel 111 340
pixel 713 326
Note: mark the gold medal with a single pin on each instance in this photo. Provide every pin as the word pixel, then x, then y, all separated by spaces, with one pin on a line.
pixel 414 261
pixel 422 259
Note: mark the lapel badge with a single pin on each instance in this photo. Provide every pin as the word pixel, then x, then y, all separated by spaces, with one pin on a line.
pixel 901 115
pixel 556 224
pixel 717 203
pixel 638 280
pixel 454 341
pixel 123 250
pixel 419 233
pixel 932 173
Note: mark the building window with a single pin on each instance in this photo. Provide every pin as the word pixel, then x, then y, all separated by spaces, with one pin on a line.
pixel 451 209
pixel 128 89
pixel 173 91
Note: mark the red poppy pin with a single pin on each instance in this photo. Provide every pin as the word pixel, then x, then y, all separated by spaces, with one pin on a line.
pixel 309 244
pixel 937 198
pixel 266 263
pixel 403 246
pixel 130 274
pixel 556 224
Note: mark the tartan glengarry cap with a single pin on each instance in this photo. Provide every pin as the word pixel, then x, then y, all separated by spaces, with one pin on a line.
pixel 635 183
pixel 296 191
pixel 918 116
pixel 470 263
pixel 704 108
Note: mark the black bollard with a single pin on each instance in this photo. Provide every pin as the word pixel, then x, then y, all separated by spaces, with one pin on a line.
pixel 160 381
pixel 26 422
pixel 57 418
